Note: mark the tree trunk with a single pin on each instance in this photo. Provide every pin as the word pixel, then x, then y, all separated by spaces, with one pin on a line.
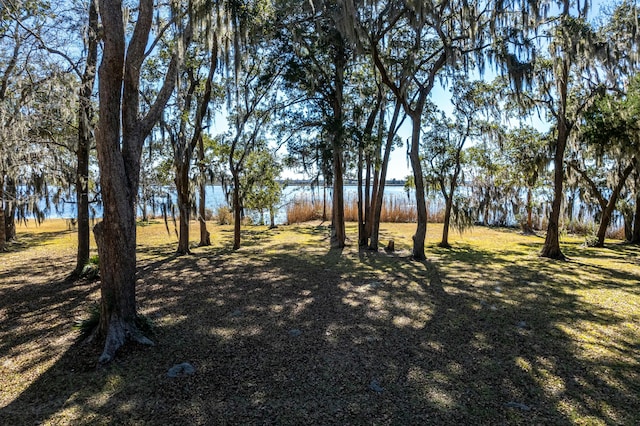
pixel 421 203
pixel 377 168
pixel 143 207
pixel 379 192
pixel 82 196
pixel 611 204
pixel 362 232
pixel 628 226
pixel 3 236
pixel 205 236
pixel 551 248
pixel 272 217
pixel 605 220
pixel 339 236
pixel 184 208
pixel 237 210
pixel 447 220
pixel 119 157
pixel 528 229
pixel 324 202
pixel 368 198
pixel 85 117
pixel 448 206
pixel 570 204
pixel 365 221
pixel 635 238
pixel 10 210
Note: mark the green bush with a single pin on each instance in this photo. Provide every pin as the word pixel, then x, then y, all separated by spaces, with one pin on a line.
pixel 92 269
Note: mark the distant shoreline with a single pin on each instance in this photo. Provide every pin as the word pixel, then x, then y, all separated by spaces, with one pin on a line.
pixel 347 182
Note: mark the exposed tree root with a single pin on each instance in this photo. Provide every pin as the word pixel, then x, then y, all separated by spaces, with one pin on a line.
pixel 118 334
pixel 553 254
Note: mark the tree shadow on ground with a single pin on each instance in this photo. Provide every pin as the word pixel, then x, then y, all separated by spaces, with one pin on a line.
pixel 340 337
pixel 28 239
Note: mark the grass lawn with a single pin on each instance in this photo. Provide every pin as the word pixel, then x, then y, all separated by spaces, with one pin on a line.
pixel 286 331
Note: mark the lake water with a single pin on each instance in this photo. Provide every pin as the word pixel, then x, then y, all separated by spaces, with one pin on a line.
pixel 216 198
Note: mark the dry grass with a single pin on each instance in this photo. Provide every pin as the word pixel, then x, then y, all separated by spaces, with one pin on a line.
pixel 395 209
pixel 285 331
pixel 305 209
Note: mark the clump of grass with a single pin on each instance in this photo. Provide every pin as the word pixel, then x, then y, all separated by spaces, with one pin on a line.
pixel 145 324
pixel 92 269
pixel 224 215
pixel 86 326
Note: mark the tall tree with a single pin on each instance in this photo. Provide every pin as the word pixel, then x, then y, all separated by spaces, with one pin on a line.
pixel 411 45
pixel 608 146
pixel 397 119
pixel 320 57
pixel 186 132
pixel 565 78
pixel 85 135
pixel 122 130
pixel 473 105
pixel 260 189
pixel 252 103
pixel 24 75
pixel 527 154
pixel 46 37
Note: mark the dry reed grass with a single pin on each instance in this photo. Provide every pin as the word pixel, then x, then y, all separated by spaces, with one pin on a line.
pixel 394 210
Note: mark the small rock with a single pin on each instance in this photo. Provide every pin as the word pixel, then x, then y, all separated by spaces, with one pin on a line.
pixel 375 284
pixel 294 332
pixel 518 405
pixel 184 369
pixel 375 386
pixel 498 289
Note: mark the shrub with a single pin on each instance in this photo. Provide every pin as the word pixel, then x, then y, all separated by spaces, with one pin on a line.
pixel 224 215
pixel 92 269
pixel 616 233
pixel 582 228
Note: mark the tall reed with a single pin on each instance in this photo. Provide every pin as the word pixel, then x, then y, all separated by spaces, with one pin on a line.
pixel 304 209
pixel 394 209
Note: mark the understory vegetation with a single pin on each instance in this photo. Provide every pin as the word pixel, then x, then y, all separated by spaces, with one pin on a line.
pixel 287 331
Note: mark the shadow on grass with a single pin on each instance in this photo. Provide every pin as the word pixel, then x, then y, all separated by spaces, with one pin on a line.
pixel 296 337
pixel 28 239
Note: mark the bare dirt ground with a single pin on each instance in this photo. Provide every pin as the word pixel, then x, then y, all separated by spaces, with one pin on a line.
pixel 286 331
